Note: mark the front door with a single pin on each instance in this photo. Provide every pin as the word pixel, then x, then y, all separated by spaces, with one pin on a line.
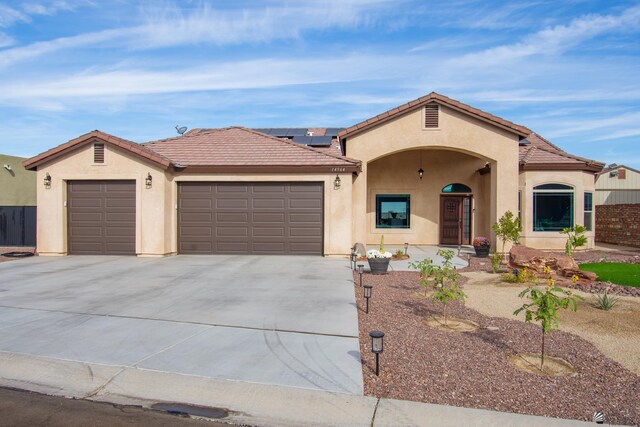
pixel 455 220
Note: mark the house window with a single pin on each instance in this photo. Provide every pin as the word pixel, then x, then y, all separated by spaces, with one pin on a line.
pixel 98 153
pixel 392 210
pixel 456 188
pixel 588 211
pixel 552 207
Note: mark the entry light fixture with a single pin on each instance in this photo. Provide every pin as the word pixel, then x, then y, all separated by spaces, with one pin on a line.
pixel 148 180
pixel 420 173
pixel 336 183
pixel 377 346
pixel 367 295
pixel 47 180
pixel 360 272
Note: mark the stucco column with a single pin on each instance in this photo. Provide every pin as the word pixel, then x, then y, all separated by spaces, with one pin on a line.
pixel 359 194
pixel 504 191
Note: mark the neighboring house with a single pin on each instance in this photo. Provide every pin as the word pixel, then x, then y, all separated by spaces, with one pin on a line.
pixel 432 171
pixel 617 203
pixel 618 185
pixel 17 203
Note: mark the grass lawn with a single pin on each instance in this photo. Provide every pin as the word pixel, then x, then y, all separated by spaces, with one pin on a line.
pixel 615 272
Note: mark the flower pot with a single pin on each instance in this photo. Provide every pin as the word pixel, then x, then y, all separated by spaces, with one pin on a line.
pixel 482 251
pixel 378 265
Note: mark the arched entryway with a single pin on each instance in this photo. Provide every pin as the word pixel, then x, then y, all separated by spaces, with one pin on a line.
pixel 456 209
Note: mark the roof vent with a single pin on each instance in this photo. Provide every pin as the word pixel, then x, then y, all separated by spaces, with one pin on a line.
pixel 309 133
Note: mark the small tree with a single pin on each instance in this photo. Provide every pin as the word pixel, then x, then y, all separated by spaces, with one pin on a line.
pixel 575 238
pixel 507 229
pixel 446 282
pixel 544 307
pixel 425 267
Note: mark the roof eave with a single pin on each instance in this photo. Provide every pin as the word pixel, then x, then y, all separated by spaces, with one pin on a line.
pixel 595 167
pixel 298 169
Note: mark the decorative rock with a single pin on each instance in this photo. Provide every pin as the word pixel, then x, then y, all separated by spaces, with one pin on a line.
pixel 529 258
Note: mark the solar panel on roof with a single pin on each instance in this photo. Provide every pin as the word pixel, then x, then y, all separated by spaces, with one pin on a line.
pixel 333 131
pixel 297 132
pixel 313 141
pixel 264 130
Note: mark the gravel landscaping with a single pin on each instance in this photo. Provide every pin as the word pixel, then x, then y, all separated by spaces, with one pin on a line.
pixel 4 250
pixel 472 369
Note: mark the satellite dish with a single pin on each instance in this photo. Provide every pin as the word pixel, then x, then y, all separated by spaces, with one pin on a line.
pixel 181 130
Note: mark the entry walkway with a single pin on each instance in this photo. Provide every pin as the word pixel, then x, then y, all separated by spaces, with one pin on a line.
pixel 420 252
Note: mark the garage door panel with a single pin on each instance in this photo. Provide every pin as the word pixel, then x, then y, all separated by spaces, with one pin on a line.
pixel 232 217
pixel 228 203
pixel 252 218
pixel 203 231
pixel 188 188
pixel 266 217
pixel 269 188
pixel 305 217
pixel 101 217
pixel 232 231
pixel 232 247
pixel 268 232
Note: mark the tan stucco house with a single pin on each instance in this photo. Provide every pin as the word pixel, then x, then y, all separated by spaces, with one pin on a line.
pixel 432 171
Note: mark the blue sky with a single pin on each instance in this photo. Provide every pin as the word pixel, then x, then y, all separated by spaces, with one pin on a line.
pixel 570 70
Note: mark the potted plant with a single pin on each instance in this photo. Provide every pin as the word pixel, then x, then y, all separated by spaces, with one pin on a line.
pixel 378 259
pixel 482 245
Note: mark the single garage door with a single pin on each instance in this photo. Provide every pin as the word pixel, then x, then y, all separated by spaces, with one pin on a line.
pixel 101 217
pixel 250 218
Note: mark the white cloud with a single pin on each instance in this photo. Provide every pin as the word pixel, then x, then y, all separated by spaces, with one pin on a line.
pixel 557 39
pixel 5 40
pixel 9 16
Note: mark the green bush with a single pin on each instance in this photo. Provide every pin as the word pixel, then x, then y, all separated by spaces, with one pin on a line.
pixel 575 238
pixel 507 228
pixel 605 302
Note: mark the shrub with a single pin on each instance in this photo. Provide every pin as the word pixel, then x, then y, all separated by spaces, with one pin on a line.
pixel 520 276
pixel 605 302
pixel 425 267
pixel 399 253
pixel 575 238
pixel 496 260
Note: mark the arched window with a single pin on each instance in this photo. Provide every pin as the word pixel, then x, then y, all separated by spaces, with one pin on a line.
pixel 553 207
pixel 456 188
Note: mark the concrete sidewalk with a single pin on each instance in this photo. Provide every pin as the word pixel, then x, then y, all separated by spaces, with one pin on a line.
pixel 246 403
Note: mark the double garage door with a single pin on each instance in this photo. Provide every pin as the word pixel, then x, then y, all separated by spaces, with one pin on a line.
pixel 223 218
pixel 250 218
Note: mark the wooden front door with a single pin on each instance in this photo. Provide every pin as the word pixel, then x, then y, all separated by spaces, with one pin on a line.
pixel 455 220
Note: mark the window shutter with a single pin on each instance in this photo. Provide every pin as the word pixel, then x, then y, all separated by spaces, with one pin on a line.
pixel 98 153
pixel 431 116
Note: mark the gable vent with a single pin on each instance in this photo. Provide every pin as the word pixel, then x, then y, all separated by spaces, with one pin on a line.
pixel 431 116
pixel 98 153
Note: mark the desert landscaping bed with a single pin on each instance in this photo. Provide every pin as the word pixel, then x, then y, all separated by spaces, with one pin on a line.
pixel 472 369
pixel 4 250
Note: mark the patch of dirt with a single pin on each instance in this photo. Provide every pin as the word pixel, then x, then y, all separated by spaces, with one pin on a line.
pixel 615 332
pixel 473 370
pixel 453 324
pixel 553 366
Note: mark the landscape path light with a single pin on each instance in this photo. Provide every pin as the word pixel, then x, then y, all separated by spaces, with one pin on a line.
pixel 360 272
pixel 406 248
pixel 367 295
pixel 354 258
pixel 377 346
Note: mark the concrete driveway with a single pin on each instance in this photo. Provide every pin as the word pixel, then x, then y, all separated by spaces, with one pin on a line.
pixel 266 319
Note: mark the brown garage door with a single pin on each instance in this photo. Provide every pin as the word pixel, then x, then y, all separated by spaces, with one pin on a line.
pixel 250 218
pixel 101 217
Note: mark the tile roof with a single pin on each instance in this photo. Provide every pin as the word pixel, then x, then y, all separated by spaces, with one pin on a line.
pixel 93 136
pixel 542 154
pixel 242 147
pixel 441 99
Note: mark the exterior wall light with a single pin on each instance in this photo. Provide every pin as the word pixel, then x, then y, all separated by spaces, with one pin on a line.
pixel 360 271
pixel 336 183
pixel 148 180
pixel 420 173
pixel 377 346
pixel 367 295
pixel 47 180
